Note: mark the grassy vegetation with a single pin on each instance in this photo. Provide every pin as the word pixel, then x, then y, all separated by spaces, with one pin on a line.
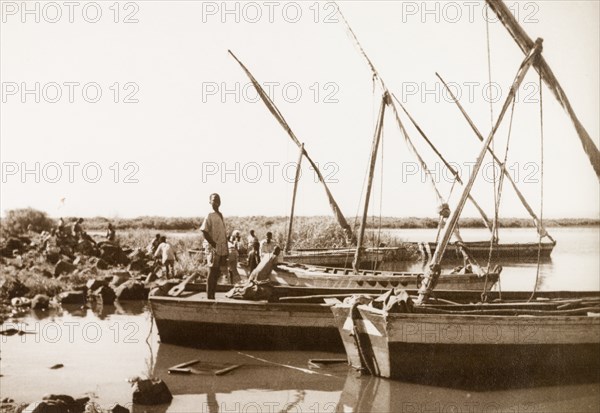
pixel 258 222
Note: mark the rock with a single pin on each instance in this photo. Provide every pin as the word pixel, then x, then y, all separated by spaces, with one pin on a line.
pixel 48 406
pixel 140 265
pixel 52 257
pixel 63 267
pixel 14 244
pixel 112 254
pixel 79 260
pixel 40 302
pixel 137 254
pixel 72 297
pixel 101 264
pixel 119 277
pixel 58 403
pixel 131 290
pixel 117 408
pixel 6 252
pixel 97 263
pixel 47 274
pixel 106 294
pixel 149 392
pixel 7 400
pixel 20 302
pixel 94 284
pixel 59 397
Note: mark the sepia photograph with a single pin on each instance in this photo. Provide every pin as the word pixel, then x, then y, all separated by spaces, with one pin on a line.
pixel 304 206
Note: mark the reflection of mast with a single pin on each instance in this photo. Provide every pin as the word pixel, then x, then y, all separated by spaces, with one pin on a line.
pixel 526 45
pixel 273 109
pixel 432 273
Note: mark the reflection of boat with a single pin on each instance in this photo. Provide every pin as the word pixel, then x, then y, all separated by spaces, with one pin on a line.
pixel 373 394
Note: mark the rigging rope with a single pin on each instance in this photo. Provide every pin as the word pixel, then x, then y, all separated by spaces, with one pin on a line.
pixel 540 233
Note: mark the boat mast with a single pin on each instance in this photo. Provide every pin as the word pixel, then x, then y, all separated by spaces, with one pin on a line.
pixel 526 44
pixel 375 147
pixel 273 109
pixel 538 223
pixel 401 126
pixel 433 271
pixel 288 242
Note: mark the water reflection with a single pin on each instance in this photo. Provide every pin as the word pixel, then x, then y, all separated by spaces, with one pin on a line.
pixel 367 393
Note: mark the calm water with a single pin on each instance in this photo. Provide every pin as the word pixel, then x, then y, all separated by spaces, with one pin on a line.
pixel 574 263
pixel 101 348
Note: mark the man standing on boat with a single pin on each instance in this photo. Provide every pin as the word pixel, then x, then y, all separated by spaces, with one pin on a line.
pixel 215 244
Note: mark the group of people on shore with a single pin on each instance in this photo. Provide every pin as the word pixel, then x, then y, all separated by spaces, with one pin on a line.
pixel 161 250
pixel 220 250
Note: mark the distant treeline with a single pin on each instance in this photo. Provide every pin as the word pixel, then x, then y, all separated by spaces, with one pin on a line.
pixel 260 222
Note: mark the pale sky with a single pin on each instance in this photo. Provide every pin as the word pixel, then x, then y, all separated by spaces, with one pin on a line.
pixel 181 129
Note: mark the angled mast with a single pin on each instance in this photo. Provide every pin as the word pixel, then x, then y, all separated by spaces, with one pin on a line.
pixel 433 271
pixel 526 44
pixel 403 130
pixel 373 159
pixel 538 223
pixel 277 114
pixel 288 241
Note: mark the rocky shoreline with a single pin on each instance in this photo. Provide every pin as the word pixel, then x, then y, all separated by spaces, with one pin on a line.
pixel 41 270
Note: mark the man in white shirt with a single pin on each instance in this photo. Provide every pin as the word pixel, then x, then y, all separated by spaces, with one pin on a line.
pixel 215 244
pixel 267 246
pixel 168 256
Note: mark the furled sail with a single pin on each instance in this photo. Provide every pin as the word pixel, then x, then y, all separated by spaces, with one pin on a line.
pixel 526 44
pixel 273 109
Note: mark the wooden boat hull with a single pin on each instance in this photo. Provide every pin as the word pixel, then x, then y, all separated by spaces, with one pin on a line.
pixel 316 277
pixel 512 252
pixel 374 257
pixel 238 324
pixel 343 257
pixel 471 348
